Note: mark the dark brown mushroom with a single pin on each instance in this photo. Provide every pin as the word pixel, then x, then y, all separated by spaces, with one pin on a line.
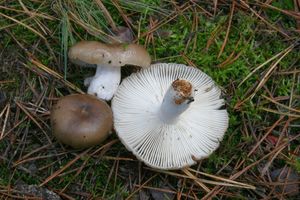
pixel 81 120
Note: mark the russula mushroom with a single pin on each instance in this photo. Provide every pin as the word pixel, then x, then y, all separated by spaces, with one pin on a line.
pixel 81 120
pixel 109 58
pixel 169 115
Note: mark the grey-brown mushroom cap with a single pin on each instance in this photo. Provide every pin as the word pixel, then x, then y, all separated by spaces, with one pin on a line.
pixel 115 55
pixel 81 120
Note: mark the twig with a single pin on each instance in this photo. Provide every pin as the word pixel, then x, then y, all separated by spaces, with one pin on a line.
pixel 106 14
pixel 52 176
pixel 55 74
pixel 236 175
pixel 264 20
pixel 33 119
pixel 141 186
pixel 266 76
pixel 264 63
pixel 265 136
pixel 26 26
pixel 7 109
pixel 223 179
pixel 228 29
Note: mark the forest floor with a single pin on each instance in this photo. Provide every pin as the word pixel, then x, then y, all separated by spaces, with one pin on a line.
pixel 250 48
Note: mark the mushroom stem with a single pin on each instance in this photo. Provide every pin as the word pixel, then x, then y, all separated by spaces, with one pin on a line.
pixel 177 99
pixel 105 82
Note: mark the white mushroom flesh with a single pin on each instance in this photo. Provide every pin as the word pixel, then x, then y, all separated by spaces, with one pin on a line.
pixel 163 138
pixel 105 82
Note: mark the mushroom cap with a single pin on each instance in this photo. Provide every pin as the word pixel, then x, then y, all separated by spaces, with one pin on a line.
pixel 122 34
pixel 93 52
pixel 81 120
pixel 195 134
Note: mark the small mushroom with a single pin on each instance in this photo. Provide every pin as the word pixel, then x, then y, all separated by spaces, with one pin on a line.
pixel 109 58
pixel 122 34
pixel 169 115
pixel 81 120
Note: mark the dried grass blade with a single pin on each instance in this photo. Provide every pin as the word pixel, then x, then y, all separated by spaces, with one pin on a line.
pixel 191 176
pixel 7 109
pixel 64 167
pixel 172 16
pixel 228 29
pixel 30 153
pixel 38 158
pixel 89 28
pixel 77 173
pixel 281 105
pixel 236 175
pixel 215 2
pixel 265 136
pixel 263 64
pixel 224 179
pixel 294 14
pixel 26 26
pixel 15 126
pixel 268 73
pixel 37 21
pixel 33 119
pixel 280 113
pixel 56 75
pixel 141 186
pixel 34 14
pixel 199 180
pixel 266 76
pixel 264 20
pixel 106 14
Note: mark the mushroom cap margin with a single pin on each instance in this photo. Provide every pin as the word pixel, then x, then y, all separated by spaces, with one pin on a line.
pixel 93 52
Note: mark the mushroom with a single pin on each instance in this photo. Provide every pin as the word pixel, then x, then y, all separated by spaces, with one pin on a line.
pixel 169 115
pixel 109 58
pixel 81 120
pixel 122 34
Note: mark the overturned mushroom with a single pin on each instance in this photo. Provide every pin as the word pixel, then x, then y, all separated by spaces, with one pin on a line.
pixel 169 115
pixel 109 58
pixel 81 120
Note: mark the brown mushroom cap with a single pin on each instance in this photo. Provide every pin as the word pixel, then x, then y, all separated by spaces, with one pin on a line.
pixel 81 120
pixel 92 52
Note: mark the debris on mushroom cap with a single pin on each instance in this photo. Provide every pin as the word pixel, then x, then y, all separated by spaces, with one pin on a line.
pixel 93 52
pixel 81 120
pixel 193 134
pixel 184 89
